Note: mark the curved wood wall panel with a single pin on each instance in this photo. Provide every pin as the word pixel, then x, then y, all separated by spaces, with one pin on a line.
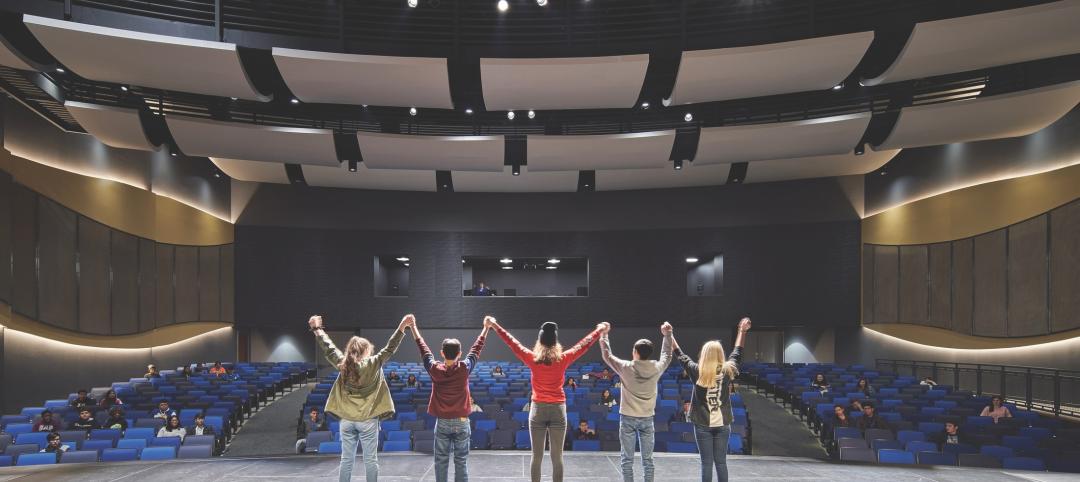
pixel 73 273
pixel 1016 281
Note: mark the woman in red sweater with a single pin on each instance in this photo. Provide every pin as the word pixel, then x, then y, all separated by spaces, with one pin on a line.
pixel 547 363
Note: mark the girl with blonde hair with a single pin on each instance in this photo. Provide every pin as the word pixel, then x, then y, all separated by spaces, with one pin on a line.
pixel 360 396
pixel 710 405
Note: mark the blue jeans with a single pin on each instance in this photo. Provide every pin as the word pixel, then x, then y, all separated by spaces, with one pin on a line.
pixel 452 436
pixel 366 432
pixel 712 445
pixel 633 430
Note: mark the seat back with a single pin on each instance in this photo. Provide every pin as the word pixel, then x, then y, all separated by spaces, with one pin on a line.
pixel 158 453
pixel 316 438
pixel 329 447
pixel 979 460
pixel 131 443
pixel 199 440
pixel 936 458
pixel 586 446
pixel 35 459
pixel 119 455
pixel 522 440
pixel 916 446
pixel 79 457
pixel 396 446
pixel 1023 463
pixel 195 452
pixel 38 438
pixel 878 434
pixel 858 455
pixel 895 456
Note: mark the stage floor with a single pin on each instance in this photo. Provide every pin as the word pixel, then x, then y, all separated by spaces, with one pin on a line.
pixel 489 466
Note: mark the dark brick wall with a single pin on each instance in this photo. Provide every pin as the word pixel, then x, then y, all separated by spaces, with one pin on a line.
pixel 781 274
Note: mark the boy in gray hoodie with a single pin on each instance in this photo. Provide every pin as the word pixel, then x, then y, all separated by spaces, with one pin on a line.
pixel 637 398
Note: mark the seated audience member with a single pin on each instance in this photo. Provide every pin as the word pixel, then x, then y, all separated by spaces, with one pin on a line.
pixel 412 381
pixel 854 406
pixel 116 420
pixel 54 445
pixel 48 423
pixel 996 410
pixel 186 372
pixel 312 423
pixel 393 376
pixel 217 370
pixel 163 411
pixel 870 418
pixel 498 372
pixel 81 400
pixel 604 374
pixel 482 290
pixel 85 421
pixel 683 375
pixel 950 436
pixel 864 387
pixel 570 383
pixel 607 399
pixel 583 432
pixel 684 415
pixel 473 406
pixel 927 381
pixel 152 371
pixel 109 400
pixel 820 383
pixel 200 427
pixel 172 428
pixel 839 418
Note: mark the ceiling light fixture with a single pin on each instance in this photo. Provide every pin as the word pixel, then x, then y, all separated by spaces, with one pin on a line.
pixel 551 267
pixel 691 260
pixel 506 261
pixel 860 148
pixel 554 261
pixel 60 70
pixel 678 164
pixel 510 114
pixel 838 86
pixel 542 3
pixel 884 172
pixel 124 88
pixel 468 110
pixel 688 117
pixel 403 259
pixel 406 265
pixel 232 98
pixel 532 114
pixel 503 5
pixel 412 3
pixel 295 101
pixel 515 169
pixel 352 165
pixel 508 267
pixel 412 111
pixel 644 105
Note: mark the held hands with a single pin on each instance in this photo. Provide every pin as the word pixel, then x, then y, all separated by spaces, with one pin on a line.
pixel 315 323
pixel 603 327
pixel 666 329
pixel 744 325
pixel 489 322
pixel 407 322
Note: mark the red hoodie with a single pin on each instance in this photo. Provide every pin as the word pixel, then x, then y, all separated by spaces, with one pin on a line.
pixel 547 380
pixel 450 383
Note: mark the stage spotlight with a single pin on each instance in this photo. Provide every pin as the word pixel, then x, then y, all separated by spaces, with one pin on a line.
pixel 232 98
pixel 515 169
pixel 295 101
pixel 352 165
pixel 838 86
pixel 506 261
pixel 678 164
pixel 412 111
pixel 688 117
pixel 691 260
pixel 884 172
pixel 60 70
pixel 644 105
pixel 532 114
pixel 468 110
pixel 412 3
pixel 403 259
pixel 503 5
pixel 124 88
pixel 860 148
pixel 554 261
pixel 542 3
pixel 217 174
pixel 510 114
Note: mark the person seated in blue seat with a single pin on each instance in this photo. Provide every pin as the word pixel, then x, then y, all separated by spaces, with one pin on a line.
pixel 583 432
pixel 684 414
pixel 865 387
pixel 412 381
pixel 870 418
pixel 839 418
pixel 820 383
pixel 85 421
pixel 607 399
pixel 48 423
pixel 950 436
pixel 498 372
pixel 116 420
pixel 54 445
pixel 928 382
pixel 81 400
pixel 110 400
pixel 393 376
pixel 163 411
pixel 152 371
pixel 474 407
pixel 313 422
pixel 855 406
pixel 172 428
pixel 570 383
pixel 996 410
pixel 200 427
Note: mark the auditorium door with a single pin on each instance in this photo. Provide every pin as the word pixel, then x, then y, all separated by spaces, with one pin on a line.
pixel 764 346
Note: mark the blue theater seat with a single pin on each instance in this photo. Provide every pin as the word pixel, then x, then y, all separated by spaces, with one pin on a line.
pixel 682 447
pixel 329 448
pixel 35 459
pixel 522 440
pixel 195 452
pixel 158 453
pixel 936 458
pixel 586 446
pixel 396 446
pixel 38 438
pixel 79 457
pixel 119 455
pixel 895 456
pixel 1023 463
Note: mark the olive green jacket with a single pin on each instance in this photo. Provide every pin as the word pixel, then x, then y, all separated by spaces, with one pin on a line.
pixel 369 397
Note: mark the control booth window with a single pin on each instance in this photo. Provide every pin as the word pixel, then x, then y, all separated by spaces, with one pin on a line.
pixel 514 276
pixel 705 275
pixel 392 275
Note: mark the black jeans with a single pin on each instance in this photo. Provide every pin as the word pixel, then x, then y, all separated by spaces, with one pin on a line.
pixel 712 445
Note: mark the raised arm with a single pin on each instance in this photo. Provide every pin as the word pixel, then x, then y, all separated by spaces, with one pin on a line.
pixel 330 351
pixel 740 340
pixel 395 340
pixel 605 352
pixel 665 348
pixel 425 353
pixel 478 345
pixel 524 354
pixel 688 363
pixel 583 346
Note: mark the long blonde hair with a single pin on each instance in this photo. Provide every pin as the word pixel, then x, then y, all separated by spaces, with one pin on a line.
pixel 355 350
pixel 547 354
pixel 712 362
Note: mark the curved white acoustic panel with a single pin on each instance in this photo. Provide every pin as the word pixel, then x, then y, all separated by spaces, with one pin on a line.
pixel 690 175
pixel 987 40
pixel 640 150
pixel 563 83
pixel 8 58
pixel 431 153
pixel 113 126
pixel 364 178
pixel 231 140
pixel 1008 115
pixel 781 140
pixel 333 78
pixel 771 69
pixel 149 60
pixel 818 166
pixel 505 181
pixel 255 171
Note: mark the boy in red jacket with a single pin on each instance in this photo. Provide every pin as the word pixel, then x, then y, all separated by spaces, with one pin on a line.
pixel 449 401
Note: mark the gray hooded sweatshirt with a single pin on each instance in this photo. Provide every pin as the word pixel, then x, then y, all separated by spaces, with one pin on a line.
pixel 637 397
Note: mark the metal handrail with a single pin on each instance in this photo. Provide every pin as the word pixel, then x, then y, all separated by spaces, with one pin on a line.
pixel 1056 400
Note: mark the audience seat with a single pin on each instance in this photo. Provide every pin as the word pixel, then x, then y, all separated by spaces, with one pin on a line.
pixel 79 457
pixel 195 452
pixel 119 455
pixel 15 450
pixel 682 447
pixel 522 441
pixel 896 456
pixel 35 459
pixel 316 438
pixel 424 446
pixel 171 442
pixel 1023 463
pixel 17 428
pixel 105 434
pixel 960 449
pixel 199 440
pixel 979 460
pixel 38 438
pixel 882 444
pixel 858 455
pixel 396 446
pixel 140 432
pixel 158 453
pixel 847 432
pixel 131 443
pixel 936 458
pixel 328 447
pixel 586 446
pixel 997 451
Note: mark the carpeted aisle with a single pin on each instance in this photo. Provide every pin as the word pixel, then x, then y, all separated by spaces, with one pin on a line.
pixel 776 431
pixel 272 430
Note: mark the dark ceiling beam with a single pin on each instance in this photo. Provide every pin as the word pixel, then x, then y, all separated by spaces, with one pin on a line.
pixel 737 173
pixel 444 181
pixel 263 73
pixel 586 181
pixel 17 38
pixel 295 173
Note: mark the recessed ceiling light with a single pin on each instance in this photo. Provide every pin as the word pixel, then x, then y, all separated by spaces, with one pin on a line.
pixel 60 70
pixel 508 267
pixel 295 101
pixel 510 114
pixel 124 88
pixel 838 86
pixel 644 105
pixel 503 5
pixel 412 3
pixel 532 114
pixel 412 111
pixel 506 261
pixel 468 110
pixel 551 267
pixel 232 98
pixel 462 261
pixel 542 3
pixel 406 264
pixel 688 117
pixel 691 260
pixel 515 169
pixel 884 172
pixel 678 164
pixel 403 259
pixel 554 261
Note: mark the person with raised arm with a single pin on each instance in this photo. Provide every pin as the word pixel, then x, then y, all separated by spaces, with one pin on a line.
pixel 547 362
pixel 360 396
pixel 451 402
pixel 710 405
pixel 637 397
